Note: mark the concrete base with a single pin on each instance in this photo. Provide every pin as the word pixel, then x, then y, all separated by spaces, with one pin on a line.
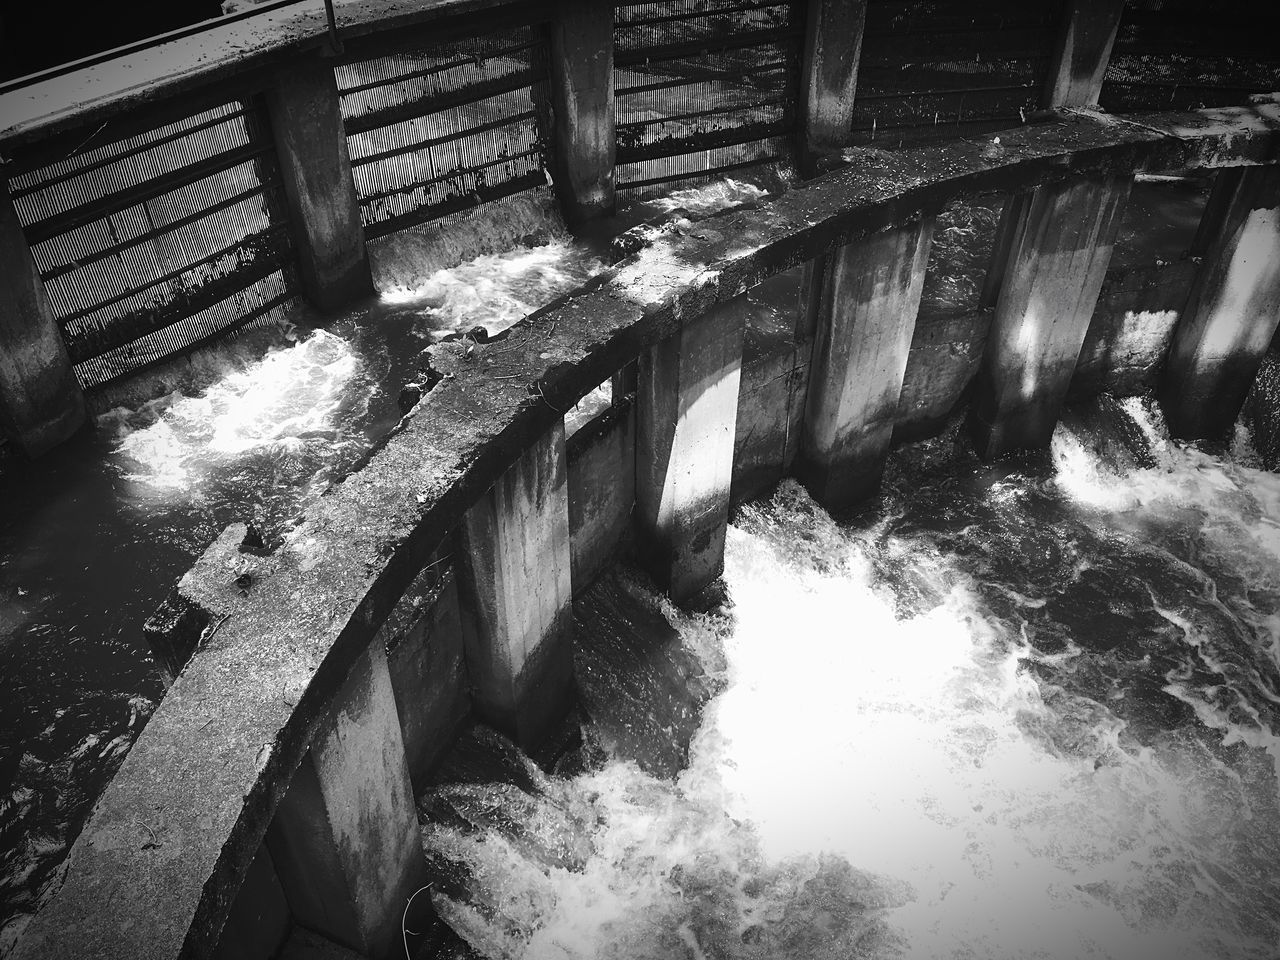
pixel 345 837
pixel 867 315
pixel 1233 309
pixel 602 490
pixel 1057 262
pixel 423 639
pixel 686 419
pixel 514 570
pixel 41 403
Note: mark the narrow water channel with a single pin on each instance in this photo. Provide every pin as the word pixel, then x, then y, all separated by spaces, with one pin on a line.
pixel 1016 711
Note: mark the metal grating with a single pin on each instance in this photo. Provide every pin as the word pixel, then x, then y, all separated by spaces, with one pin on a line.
pixel 1176 55
pixel 444 128
pixel 974 68
pixel 155 237
pixel 704 87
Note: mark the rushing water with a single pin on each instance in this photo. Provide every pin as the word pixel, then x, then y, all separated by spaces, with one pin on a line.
pixel 1022 711
pixel 94 537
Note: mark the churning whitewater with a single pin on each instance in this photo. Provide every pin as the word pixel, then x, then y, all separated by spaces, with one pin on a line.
pixel 1022 711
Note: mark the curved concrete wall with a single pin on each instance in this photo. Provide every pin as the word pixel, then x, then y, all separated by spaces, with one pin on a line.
pixel 155 871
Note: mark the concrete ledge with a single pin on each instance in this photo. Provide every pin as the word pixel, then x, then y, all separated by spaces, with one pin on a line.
pixel 215 759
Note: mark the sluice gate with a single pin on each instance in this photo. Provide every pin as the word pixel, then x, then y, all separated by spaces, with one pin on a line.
pixel 317 684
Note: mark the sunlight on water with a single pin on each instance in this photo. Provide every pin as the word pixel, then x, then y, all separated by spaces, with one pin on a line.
pixel 496 290
pixel 874 781
pixel 709 198
pixel 279 402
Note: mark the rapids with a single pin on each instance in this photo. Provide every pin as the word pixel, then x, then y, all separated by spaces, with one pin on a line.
pixel 1017 711
pixel 253 429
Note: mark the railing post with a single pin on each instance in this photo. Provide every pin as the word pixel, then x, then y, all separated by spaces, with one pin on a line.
pixel 829 77
pixel 345 838
pixel 517 592
pixel 582 103
pixel 41 403
pixel 1082 52
pixel 1057 262
pixel 324 210
pixel 866 317
pixel 686 415
pixel 1232 311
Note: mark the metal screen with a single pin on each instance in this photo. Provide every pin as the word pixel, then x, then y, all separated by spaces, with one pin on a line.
pixel 1173 55
pixel 974 68
pixel 703 87
pixel 444 128
pixel 155 235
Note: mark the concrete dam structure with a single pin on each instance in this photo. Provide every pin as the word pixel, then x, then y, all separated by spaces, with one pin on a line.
pixel 192 190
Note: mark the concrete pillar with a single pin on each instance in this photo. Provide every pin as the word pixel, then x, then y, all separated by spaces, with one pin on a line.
pixel 686 416
pixel 517 591
pixel 324 210
pixel 345 838
pixel 1080 56
pixel 866 317
pixel 259 920
pixel 1057 261
pixel 41 403
pixel 582 105
pixel 1232 311
pixel 829 75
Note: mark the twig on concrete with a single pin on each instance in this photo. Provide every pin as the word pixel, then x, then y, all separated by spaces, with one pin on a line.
pixel 154 842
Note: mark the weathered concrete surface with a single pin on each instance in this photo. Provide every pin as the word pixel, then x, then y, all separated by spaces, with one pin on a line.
pixel 41 403
pixel 867 316
pixel 770 410
pixel 516 584
pixel 946 353
pixel 581 59
pixel 1083 50
pixel 324 211
pixel 93 95
pixel 602 490
pixel 1058 261
pixel 205 594
pixel 267 676
pixel 686 414
pixel 1131 330
pixel 423 638
pixel 776 351
pixel 345 839
pixel 829 72
pixel 259 922
pixel 1232 313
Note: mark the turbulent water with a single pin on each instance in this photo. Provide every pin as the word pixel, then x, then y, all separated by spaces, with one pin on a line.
pixel 1024 711
pixel 254 431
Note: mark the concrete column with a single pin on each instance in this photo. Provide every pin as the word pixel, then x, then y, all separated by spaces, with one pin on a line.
pixel 582 105
pixel 324 210
pixel 686 416
pixel 829 76
pixel 1232 311
pixel 514 571
pixel 866 318
pixel 41 403
pixel 1080 56
pixel 345 839
pixel 1057 261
